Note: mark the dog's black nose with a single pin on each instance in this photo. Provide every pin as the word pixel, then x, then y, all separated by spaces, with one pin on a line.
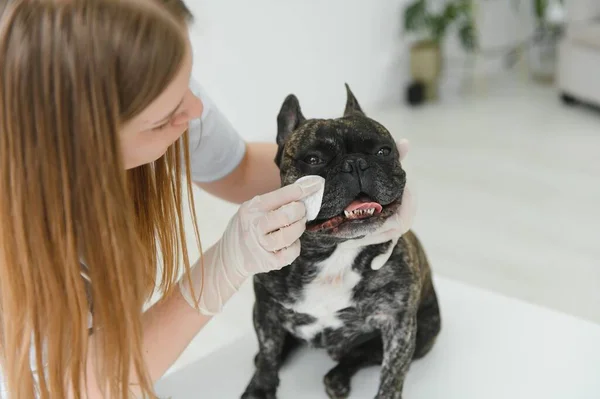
pixel 351 165
pixel 348 166
pixel 362 164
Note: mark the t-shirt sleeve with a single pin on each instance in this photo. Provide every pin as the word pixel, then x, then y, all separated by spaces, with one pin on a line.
pixel 216 148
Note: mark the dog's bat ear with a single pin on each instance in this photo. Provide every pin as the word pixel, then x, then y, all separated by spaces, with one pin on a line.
pixel 279 155
pixel 352 105
pixel 289 118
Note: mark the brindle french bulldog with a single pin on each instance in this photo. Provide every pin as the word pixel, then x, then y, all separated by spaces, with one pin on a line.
pixel 333 296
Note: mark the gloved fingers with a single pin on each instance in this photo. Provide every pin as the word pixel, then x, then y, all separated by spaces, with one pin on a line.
pixel 285 195
pixel 403 147
pixel 284 216
pixel 379 261
pixel 393 226
pixel 287 255
pixel 408 209
pixel 282 238
pixel 402 219
pixel 279 259
pixel 379 237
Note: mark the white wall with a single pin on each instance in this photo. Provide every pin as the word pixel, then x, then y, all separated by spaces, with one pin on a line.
pixel 251 54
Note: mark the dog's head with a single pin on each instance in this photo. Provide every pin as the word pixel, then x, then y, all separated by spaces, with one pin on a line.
pixel 356 155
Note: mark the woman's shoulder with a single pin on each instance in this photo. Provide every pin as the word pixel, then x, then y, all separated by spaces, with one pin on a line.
pixel 216 147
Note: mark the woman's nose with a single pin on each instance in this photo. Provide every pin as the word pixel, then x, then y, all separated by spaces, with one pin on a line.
pixel 191 108
pixel 195 106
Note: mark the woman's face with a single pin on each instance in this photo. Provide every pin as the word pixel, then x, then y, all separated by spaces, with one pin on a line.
pixel 148 135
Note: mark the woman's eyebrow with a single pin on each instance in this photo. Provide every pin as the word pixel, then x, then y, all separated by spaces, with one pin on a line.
pixel 170 115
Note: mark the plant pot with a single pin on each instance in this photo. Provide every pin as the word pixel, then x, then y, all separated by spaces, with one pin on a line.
pixel 543 53
pixel 426 66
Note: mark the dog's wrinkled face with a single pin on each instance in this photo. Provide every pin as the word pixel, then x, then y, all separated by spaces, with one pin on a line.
pixel 358 158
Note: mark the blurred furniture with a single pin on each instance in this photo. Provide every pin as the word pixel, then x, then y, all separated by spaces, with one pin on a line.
pixel 491 347
pixel 579 53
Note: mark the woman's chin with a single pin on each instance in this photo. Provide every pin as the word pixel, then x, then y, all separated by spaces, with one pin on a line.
pixel 145 161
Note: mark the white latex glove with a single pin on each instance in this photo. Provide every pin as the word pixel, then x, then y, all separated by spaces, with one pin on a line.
pixel 396 225
pixel 262 236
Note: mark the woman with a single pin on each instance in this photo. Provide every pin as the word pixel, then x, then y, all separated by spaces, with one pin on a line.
pixel 95 104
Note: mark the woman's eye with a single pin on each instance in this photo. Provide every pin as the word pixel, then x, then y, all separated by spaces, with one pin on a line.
pixel 161 127
pixel 384 151
pixel 313 160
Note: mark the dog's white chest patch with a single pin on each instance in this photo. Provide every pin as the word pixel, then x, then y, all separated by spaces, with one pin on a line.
pixel 330 292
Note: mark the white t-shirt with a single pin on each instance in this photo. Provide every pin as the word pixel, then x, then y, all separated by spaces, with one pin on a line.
pixel 216 149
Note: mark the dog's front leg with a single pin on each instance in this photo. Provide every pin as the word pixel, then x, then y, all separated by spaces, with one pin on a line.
pixel 399 337
pixel 271 338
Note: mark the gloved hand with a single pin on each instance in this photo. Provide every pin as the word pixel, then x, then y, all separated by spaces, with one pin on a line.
pixel 397 224
pixel 401 221
pixel 262 236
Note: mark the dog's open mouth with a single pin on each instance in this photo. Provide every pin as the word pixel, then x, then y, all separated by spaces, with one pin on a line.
pixel 361 208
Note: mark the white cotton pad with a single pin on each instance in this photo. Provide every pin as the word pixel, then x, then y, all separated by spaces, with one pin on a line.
pixel 313 201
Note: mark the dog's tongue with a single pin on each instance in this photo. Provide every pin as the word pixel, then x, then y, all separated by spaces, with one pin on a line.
pixel 358 204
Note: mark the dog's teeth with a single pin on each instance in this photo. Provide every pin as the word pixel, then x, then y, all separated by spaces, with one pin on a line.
pixel 359 213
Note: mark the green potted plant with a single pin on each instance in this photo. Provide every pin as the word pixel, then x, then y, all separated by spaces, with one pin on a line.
pixel 549 16
pixel 429 28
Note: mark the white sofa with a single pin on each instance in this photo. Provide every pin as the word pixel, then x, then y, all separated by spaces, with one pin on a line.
pixel 578 74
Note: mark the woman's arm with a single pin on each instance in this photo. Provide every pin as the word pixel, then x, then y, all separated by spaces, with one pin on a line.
pixel 262 236
pixel 169 326
pixel 255 175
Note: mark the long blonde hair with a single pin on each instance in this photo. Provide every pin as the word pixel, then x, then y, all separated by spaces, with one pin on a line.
pixel 73 72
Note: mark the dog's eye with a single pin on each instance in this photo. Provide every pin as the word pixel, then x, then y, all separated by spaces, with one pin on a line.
pixel 313 160
pixel 384 151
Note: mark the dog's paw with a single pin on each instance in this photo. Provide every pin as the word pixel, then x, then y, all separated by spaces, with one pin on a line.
pixel 337 384
pixel 258 394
